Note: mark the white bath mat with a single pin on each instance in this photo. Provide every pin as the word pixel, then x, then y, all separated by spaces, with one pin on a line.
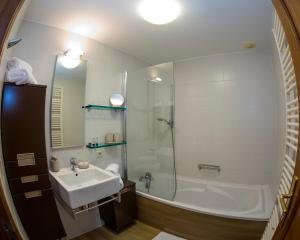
pixel 166 236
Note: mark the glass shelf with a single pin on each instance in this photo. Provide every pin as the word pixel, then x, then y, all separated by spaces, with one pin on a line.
pixel 103 145
pixel 100 107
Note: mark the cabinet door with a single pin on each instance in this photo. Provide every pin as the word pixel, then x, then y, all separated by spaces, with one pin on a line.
pixel 39 215
pixel 23 127
pixel 125 212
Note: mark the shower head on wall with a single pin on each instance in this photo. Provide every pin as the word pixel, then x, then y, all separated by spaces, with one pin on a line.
pixel 13 42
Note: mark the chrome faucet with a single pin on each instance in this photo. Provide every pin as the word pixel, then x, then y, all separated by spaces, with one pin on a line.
pixel 73 164
pixel 147 178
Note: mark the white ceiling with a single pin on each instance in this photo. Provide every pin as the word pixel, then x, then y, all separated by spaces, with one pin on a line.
pixel 204 27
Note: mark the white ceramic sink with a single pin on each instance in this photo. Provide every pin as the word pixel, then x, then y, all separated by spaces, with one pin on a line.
pixel 87 186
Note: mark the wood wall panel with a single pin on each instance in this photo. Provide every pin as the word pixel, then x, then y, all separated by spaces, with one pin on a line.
pixel 8 12
pixel 195 226
pixel 293 7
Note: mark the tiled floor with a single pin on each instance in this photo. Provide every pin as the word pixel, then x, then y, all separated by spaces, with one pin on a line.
pixel 138 231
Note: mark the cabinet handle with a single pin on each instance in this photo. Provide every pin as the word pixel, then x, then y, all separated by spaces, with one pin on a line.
pixel 126 190
pixel 29 179
pixel 284 199
pixel 25 159
pixel 6 227
pixel 33 194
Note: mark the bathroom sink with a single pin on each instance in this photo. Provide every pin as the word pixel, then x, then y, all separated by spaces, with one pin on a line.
pixel 87 186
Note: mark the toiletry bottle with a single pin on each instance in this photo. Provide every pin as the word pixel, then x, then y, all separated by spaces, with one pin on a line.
pixel 54 164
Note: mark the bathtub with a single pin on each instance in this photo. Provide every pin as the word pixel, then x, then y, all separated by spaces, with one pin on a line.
pixel 236 201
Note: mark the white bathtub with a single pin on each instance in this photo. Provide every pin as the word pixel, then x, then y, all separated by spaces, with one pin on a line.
pixel 250 202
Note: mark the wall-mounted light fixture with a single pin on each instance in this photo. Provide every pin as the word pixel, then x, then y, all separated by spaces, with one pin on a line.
pixel 156 79
pixel 71 58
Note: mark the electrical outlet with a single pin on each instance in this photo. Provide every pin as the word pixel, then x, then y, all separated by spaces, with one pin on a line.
pixel 99 154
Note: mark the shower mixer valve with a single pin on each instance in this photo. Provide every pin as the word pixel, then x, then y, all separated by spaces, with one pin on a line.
pixel 147 178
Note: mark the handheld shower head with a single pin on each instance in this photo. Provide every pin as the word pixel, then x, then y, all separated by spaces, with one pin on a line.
pixel 162 120
pixel 170 123
pixel 13 42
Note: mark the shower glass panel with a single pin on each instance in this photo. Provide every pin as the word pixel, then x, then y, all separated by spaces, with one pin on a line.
pixel 150 101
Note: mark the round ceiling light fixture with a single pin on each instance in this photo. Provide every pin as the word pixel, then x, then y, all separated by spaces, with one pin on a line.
pixel 159 12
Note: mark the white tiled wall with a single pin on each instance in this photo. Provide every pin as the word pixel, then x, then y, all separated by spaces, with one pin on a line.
pixel 39 47
pixel 226 114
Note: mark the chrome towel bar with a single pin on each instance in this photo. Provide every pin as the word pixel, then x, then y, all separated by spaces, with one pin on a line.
pixel 202 166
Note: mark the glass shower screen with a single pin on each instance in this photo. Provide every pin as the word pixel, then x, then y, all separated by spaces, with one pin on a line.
pixel 150 121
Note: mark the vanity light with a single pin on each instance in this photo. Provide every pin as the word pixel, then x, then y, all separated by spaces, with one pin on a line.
pixel 71 58
pixel 159 12
pixel 156 79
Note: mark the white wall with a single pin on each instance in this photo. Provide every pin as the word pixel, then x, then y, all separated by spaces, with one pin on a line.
pixel 226 114
pixel 40 46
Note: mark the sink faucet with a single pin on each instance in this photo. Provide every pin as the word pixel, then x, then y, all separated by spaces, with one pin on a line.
pixel 73 164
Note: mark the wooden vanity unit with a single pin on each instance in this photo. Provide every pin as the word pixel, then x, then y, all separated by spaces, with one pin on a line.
pixel 118 216
pixel 25 159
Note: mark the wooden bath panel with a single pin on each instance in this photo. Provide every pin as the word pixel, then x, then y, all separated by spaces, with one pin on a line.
pixel 196 226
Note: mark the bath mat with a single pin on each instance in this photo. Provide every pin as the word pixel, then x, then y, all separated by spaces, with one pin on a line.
pixel 166 236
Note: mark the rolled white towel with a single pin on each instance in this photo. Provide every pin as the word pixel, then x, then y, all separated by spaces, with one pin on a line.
pixel 15 62
pixel 114 168
pixel 12 64
pixel 17 75
pixel 19 72
pixel 20 76
pixel 121 183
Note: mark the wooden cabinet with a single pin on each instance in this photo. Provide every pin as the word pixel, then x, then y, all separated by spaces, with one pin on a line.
pixel 25 159
pixel 6 229
pixel 118 216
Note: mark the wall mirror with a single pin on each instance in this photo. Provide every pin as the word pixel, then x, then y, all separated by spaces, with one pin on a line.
pixel 68 97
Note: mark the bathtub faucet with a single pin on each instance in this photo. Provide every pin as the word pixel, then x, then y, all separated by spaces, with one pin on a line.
pixel 147 178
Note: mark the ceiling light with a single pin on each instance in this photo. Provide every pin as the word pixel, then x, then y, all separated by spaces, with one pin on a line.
pixel 159 11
